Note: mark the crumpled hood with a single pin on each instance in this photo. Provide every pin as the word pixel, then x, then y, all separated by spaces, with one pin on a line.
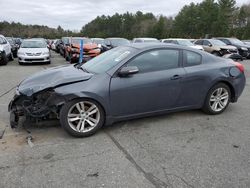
pixel 51 78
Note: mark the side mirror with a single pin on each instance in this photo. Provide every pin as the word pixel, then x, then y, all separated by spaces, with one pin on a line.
pixel 126 71
pixel 210 45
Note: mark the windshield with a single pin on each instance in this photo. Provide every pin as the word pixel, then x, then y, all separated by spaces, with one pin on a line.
pixel 107 60
pixel 33 44
pixel 217 42
pixel 77 40
pixel 119 42
pixel 185 43
pixel 98 41
pixel 151 40
pixel 236 41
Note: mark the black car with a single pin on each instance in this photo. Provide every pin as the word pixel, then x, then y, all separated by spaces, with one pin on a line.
pixel 244 50
pixel 63 44
pixel 57 45
pixel 14 46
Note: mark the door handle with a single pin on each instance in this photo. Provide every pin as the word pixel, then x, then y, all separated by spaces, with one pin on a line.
pixel 175 77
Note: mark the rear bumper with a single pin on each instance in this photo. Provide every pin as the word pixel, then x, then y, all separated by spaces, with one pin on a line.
pixel 239 84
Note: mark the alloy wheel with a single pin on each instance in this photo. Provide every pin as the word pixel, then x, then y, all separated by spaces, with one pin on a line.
pixel 83 116
pixel 219 99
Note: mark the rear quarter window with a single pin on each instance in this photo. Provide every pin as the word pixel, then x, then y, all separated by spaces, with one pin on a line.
pixel 191 58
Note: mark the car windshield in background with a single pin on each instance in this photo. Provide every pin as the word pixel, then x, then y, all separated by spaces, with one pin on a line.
pixel 151 40
pixel 78 40
pixel 33 44
pixel 185 42
pixel 107 60
pixel 236 41
pixel 217 42
pixel 10 41
pixel 98 41
pixel 119 42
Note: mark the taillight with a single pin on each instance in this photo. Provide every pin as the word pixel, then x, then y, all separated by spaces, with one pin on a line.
pixel 239 66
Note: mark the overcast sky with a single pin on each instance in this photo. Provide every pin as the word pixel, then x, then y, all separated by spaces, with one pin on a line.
pixel 73 14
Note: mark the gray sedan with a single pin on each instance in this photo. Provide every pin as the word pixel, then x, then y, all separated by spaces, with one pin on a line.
pixel 129 82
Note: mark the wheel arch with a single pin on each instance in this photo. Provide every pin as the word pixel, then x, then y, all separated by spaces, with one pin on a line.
pixel 232 91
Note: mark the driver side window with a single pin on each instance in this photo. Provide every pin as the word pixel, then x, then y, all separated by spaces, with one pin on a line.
pixel 156 60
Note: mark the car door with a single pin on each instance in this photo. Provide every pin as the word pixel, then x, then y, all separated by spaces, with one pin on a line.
pixel 157 85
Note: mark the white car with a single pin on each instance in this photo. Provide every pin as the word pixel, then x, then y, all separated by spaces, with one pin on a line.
pixel 140 40
pixel 33 51
pixel 5 51
pixel 183 42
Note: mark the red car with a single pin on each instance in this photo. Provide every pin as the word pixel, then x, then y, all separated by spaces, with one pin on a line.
pixel 72 52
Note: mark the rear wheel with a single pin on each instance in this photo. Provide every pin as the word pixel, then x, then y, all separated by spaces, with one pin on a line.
pixel 217 99
pixel 82 117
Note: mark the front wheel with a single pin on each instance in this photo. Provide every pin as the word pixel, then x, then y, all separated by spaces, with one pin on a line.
pixel 217 99
pixel 82 117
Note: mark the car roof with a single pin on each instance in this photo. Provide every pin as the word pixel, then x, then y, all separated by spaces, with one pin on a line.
pixel 116 38
pixel 175 39
pixel 147 38
pixel 153 45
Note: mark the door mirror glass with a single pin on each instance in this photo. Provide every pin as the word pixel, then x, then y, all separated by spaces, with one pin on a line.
pixel 126 71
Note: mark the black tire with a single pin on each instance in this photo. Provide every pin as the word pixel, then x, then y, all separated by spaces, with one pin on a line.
pixel 64 118
pixel 207 107
pixel 20 63
pixel 216 53
pixel 4 59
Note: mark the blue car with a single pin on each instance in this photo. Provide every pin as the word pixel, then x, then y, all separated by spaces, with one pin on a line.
pixel 129 82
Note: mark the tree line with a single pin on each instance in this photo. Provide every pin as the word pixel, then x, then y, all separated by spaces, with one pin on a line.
pixel 210 17
pixel 215 18
pixel 28 31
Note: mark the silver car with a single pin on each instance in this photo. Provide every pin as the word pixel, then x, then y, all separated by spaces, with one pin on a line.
pixel 33 51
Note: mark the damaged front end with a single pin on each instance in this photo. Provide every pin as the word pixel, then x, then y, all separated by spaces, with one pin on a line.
pixel 42 105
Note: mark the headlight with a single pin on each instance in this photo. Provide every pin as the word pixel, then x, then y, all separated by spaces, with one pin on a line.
pixel 245 49
pixel 45 53
pixel 17 91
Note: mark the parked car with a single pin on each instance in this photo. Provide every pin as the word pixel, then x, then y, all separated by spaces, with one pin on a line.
pixel 14 46
pixel 18 41
pixel 62 46
pixel 247 42
pixel 53 44
pixel 140 40
pixel 72 51
pixel 183 42
pixel 5 51
pixel 57 45
pixel 244 50
pixel 110 43
pixel 216 47
pixel 129 82
pixel 33 51
pixel 97 41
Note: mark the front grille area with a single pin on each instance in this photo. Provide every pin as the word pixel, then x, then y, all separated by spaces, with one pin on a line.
pixel 34 59
pixel 34 54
